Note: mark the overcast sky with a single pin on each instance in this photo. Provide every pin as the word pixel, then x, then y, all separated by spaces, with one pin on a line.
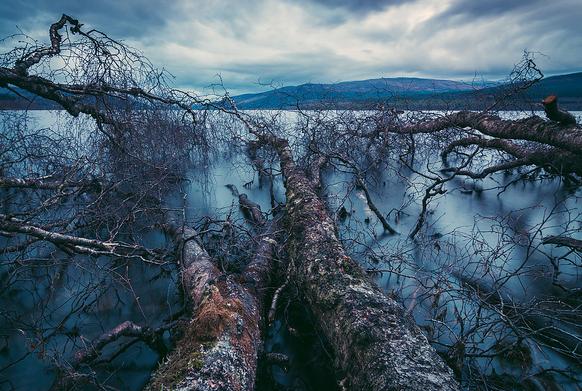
pixel 285 42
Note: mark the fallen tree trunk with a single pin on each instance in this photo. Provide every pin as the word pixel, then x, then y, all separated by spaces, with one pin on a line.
pixel 376 345
pixel 530 129
pixel 219 349
pixel 554 159
pixel 219 344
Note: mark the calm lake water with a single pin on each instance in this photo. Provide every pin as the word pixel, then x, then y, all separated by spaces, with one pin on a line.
pixel 505 223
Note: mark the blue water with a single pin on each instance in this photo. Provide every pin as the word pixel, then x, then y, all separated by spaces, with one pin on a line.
pixel 474 230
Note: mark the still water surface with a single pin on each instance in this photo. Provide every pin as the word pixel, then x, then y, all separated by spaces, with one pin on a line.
pixel 449 244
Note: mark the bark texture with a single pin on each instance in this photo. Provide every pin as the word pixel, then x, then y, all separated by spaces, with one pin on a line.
pixel 533 128
pixel 220 346
pixel 565 241
pixel 554 113
pixel 376 345
pixel 551 158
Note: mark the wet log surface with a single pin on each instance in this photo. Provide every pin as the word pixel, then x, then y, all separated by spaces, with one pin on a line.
pixel 220 346
pixel 377 346
pixel 554 113
pixel 534 128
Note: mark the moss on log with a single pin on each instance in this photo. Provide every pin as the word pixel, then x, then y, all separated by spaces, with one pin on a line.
pixel 220 346
pixel 377 346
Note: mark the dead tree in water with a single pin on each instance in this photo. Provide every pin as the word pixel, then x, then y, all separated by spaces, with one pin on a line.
pixel 78 201
pixel 128 101
pixel 375 343
pixel 556 114
pixel 534 129
pixel 221 344
pixel 376 346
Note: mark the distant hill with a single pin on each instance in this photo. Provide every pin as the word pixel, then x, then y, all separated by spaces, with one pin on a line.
pixel 358 92
pixel 414 93
pixel 399 92
pixel 568 88
pixel 20 100
pixel 564 86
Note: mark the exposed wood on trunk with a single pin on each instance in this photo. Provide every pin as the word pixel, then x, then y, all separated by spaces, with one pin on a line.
pixel 219 349
pixel 554 113
pixel 375 344
pixel 273 309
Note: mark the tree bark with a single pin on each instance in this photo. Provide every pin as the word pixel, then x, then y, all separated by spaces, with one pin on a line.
pixel 530 129
pixel 554 113
pixel 565 241
pixel 377 346
pixel 220 346
pixel 554 159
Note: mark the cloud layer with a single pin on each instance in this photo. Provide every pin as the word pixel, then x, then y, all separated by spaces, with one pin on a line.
pixel 250 42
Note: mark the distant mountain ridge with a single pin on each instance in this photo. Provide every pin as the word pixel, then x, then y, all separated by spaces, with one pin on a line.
pixel 358 91
pixel 399 92
pixel 407 92
pixel 564 86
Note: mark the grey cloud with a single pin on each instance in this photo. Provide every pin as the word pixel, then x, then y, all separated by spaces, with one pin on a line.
pixel 552 29
pixel 488 8
pixel 337 12
pixel 123 18
pixel 363 6
pixel 298 41
pixel 297 68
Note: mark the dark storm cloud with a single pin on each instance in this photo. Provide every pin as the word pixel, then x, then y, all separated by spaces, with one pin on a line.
pixel 123 18
pixel 298 41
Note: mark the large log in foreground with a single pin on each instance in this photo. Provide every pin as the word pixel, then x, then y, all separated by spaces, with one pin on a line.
pixel 376 345
pixel 220 347
pixel 219 344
